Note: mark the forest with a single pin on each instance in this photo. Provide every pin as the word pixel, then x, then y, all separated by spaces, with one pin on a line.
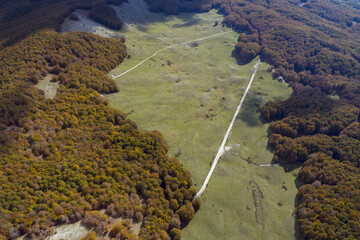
pixel 64 159
pixel 105 15
pixel 315 46
pixel 19 18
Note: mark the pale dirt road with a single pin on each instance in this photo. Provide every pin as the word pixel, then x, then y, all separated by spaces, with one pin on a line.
pixel 165 48
pixel 222 147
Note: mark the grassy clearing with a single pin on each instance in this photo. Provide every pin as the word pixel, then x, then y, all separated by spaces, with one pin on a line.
pixel 180 91
pixel 190 93
pixel 50 88
pixel 228 210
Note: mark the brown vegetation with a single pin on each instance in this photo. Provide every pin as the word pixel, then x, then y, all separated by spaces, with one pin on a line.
pixel 122 230
pixel 19 18
pixel 315 44
pixel 74 154
pixel 322 133
pixel 64 158
pixel 105 15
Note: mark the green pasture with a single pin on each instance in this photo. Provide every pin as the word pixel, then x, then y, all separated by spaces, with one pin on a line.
pixel 189 93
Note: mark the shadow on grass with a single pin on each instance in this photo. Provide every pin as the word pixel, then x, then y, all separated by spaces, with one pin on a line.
pixel 288 167
pixel 250 117
pixel 298 183
pixel 188 23
pixel 238 60
pixel 137 13
pixel 270 149
pixel 298 234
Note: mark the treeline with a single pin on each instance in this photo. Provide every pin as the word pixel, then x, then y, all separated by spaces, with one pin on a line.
pixel 78 59
pixel 308 112
pixel 329 205
pixel 63 159
pixel 314 44
pixel 329 201
pixel 324 135
pixel 19 18
pixel 105 15
pixel 176 6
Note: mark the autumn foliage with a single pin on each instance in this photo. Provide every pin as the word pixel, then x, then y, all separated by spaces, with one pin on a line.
pixel 105 15
pixel 322 134
pixel 20 18
pixel 314 46
pixel 63 159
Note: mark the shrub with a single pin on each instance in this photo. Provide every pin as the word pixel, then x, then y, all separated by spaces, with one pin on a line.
pixel 175 234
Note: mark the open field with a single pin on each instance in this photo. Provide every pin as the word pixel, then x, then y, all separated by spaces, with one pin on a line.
pixel 189 93
pixel 239 189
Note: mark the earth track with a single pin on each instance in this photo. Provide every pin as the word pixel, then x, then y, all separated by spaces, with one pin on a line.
pixel 169 47
pixel 222 147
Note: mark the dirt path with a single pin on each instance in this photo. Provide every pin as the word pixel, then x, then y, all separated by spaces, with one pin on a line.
pixel 222 147
pixel 172 46
pixel 269 165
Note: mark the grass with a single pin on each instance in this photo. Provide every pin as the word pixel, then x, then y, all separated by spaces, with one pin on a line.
pixel 174 91
pixel 228 210
pixel 50 88
pixel 189 94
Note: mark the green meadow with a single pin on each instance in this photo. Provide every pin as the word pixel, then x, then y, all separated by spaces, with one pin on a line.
pixel 190 93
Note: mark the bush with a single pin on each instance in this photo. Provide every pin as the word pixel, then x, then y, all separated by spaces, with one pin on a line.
pixel 186 212
pixel 175 234
pixel 245 52
pixel 138 217
pixel 122 230
pixel 196 204
pixel 175 223
pixel 97 221
pixel 90 236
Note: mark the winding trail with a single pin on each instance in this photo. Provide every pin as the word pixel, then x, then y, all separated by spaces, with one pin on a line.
pixel 172 46
pixel 222 147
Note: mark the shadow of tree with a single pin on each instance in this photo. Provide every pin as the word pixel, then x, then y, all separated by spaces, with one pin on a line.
pixel 187 23
pixel 248 114
pixel 238 60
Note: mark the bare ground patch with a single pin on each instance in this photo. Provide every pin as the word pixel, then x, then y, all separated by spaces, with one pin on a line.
pixel 48 86
pixel 257 197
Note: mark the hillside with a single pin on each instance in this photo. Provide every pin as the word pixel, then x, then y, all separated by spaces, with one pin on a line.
pixel 20 18
pixel 313 45
pixel 64 158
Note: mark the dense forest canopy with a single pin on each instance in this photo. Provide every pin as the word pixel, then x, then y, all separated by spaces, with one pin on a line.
pixel 63 159
pixel 105 15
pixel 19 18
